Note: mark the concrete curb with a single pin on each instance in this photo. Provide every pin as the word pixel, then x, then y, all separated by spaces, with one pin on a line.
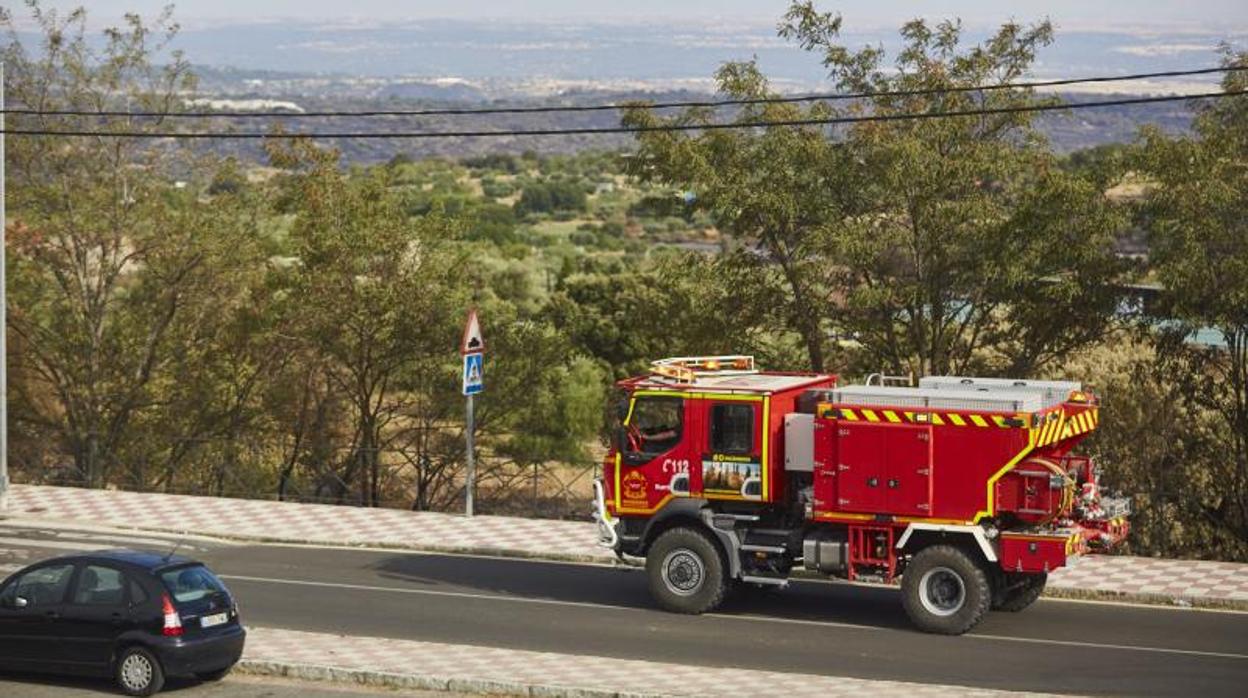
pixel 1104 596
pixel 1051 592
pixel 426 682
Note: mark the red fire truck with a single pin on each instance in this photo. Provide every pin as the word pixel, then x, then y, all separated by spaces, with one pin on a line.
pixel 724 476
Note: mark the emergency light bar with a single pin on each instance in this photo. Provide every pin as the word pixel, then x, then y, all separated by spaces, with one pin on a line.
pixel 686 369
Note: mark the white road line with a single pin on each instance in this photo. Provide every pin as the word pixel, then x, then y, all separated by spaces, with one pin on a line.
pixel 49 544
pixel 766 619
pixel 76 528
pixel 67 540
pixel 148 542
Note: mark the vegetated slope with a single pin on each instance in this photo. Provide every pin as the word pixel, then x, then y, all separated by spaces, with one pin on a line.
pixel 1067 131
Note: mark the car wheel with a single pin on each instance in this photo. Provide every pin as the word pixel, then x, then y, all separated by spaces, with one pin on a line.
pixel 139 672
pixel 686 571
pixel 945 590
pixel 213 675
pixel 1019 591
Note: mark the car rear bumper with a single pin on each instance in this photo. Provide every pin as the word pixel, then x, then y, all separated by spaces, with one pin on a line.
pixel 182 656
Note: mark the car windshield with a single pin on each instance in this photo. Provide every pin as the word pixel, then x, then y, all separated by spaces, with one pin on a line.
pixel 191 583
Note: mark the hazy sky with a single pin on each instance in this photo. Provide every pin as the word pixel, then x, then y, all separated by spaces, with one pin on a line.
pixel 859 14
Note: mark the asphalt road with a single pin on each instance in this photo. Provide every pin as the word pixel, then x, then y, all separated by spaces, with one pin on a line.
pixel 812 627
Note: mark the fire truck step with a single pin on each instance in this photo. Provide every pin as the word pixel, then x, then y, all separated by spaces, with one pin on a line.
pixel 752 548
pixel 773 581
pixel 738 517
pixel 773 532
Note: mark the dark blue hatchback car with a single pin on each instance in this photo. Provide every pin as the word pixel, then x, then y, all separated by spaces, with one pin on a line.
pixel 136 616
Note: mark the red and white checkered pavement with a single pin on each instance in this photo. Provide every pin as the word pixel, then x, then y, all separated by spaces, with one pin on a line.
pixel 1195 581
pixel 326 524
pixel 462 666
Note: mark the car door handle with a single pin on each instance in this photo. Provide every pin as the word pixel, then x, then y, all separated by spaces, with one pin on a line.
pixel 51 615
pixel 117 618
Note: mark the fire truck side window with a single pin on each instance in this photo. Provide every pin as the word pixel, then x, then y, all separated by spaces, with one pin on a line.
pixel 659 421
pixel 732 429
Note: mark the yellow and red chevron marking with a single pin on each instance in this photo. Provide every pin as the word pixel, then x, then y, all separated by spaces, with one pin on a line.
pixel 957 419
pixel 1050 429
pixel 1081 423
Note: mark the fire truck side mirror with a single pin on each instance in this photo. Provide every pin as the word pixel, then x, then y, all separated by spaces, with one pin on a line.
pixel 621 410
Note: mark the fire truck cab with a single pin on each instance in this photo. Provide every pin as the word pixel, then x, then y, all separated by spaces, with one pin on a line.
pixel 722 476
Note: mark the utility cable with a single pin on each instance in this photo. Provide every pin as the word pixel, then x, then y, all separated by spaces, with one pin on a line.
pixel 470 111
pixel 829 121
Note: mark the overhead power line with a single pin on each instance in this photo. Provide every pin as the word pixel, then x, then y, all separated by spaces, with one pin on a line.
pixel 829 121
pixel 471 111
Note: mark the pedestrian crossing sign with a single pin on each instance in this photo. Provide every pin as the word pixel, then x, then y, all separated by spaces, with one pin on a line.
pixel 474 374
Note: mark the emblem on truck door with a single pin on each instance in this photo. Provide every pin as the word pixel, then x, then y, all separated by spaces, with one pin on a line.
pixel 634 486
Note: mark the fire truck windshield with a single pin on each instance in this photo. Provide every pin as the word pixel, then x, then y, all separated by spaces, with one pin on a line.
pixel 657 422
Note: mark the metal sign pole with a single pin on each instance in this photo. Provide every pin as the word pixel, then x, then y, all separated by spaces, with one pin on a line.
pixel 471 484
pixel 472 348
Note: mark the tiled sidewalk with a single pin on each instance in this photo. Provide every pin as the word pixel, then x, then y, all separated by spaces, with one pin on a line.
pixel 470 669
pixel 262 520
pixel 1196 582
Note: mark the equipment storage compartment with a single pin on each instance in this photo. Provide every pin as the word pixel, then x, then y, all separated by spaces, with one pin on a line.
pixel 884 468
pixel 1036 552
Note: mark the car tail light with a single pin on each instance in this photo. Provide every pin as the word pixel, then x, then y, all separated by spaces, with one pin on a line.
pixel 173 622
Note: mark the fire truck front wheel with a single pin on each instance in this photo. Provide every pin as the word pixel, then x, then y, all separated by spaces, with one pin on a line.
pixel 686 571
pixel 945 590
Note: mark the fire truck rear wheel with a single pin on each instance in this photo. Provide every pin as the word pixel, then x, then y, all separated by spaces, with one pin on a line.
pixel 686 571
pixel 945 590
pixel 1018 592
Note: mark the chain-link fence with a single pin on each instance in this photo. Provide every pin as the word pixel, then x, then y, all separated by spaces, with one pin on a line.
pixel 407 478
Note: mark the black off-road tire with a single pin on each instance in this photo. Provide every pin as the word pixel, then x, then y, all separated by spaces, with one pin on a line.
pixel 210 676
pixel 686 571
pixel 945 590
pixel 138 672
pixel 1018 591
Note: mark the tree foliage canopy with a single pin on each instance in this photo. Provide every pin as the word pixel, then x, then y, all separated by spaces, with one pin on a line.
pixel 940 245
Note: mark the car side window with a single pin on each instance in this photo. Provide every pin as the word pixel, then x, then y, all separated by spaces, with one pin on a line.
pixel 100 586
pixel 138 594
pixel 44 586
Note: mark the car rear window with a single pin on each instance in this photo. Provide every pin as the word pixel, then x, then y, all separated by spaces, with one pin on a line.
pixel 191 583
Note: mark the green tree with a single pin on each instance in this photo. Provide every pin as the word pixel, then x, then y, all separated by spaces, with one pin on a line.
pixel 1198 248
pixel 679 305
pixel 109 258
pixel 942 245
pixel 376 294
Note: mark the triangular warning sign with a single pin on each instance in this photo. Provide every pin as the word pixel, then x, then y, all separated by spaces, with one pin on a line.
pixel 473 342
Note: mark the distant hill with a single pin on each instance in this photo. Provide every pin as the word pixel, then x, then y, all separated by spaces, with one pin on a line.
pixel 1067 131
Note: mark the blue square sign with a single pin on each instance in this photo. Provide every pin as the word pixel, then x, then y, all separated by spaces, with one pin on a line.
pixel 474 373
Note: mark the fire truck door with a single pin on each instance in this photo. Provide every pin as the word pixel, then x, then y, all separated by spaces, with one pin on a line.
pixel 909 470
pixel 861 481
pixel 884 468
pixel 656 454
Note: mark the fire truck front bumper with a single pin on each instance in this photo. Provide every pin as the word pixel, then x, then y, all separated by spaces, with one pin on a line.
pixel 608 537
